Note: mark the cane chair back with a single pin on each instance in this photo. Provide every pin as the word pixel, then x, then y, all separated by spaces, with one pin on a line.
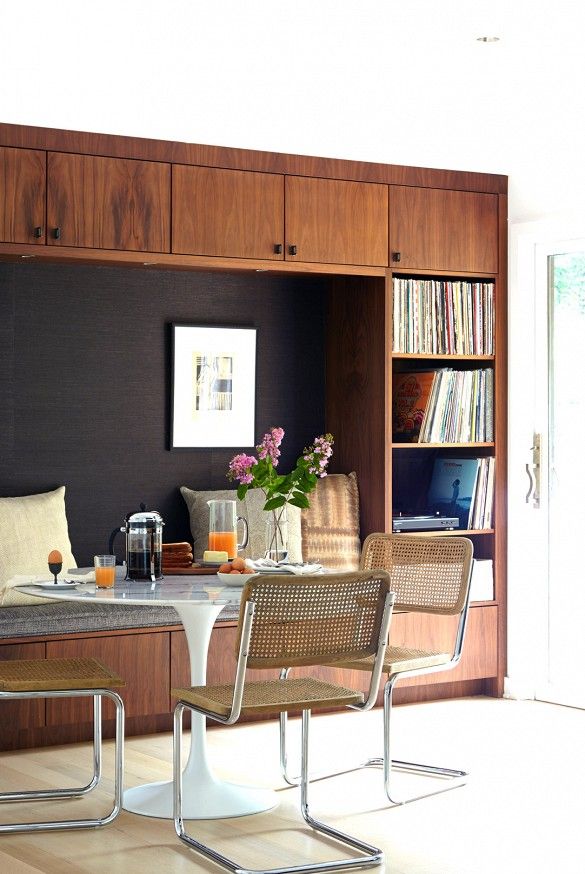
pixel 428 574
pixel 312 620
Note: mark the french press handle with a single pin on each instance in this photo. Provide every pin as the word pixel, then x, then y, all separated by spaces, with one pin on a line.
pixel 116 531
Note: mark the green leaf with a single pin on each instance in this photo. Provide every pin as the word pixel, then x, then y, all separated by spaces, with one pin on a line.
pixel 274 503
pixel 300 500
pixel 242 489
pixel 308 482
pixel 297 502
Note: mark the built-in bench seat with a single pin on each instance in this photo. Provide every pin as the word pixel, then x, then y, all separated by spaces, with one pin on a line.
pixel 42 620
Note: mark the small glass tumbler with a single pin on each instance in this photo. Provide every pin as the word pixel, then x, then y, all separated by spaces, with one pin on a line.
pixel 105 571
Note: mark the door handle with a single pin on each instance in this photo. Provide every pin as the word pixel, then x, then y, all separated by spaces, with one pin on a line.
pixel 533 471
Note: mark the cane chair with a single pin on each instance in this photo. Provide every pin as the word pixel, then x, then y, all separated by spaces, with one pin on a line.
pixel 293 621
pixel 66 678
pixel 428 575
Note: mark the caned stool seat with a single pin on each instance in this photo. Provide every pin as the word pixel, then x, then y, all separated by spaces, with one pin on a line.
pixel 49 675
pixel 270 696
pixel 66 678
pixel 299 621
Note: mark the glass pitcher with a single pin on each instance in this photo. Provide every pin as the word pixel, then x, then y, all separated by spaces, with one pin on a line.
pixel 223 528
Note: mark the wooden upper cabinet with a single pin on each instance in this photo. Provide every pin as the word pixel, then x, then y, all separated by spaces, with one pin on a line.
pixel 108 203
pixel 438 229
pixel 22 195
pixel 336 222
pixel 229 213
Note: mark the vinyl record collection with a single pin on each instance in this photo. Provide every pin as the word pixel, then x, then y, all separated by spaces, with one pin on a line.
pixel 459 408
pixel 439 317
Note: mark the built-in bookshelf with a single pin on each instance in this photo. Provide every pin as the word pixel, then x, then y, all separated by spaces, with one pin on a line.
pixel 443 365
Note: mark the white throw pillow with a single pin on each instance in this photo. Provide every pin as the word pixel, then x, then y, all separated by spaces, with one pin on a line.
pixel 30 527
pixel 251 510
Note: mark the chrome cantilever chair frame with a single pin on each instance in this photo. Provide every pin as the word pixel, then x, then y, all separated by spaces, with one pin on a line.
pixel 77 792
pixel 456 778
pixel 370 856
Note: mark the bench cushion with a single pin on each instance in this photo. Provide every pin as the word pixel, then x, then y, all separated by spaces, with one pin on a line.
pixel 62 618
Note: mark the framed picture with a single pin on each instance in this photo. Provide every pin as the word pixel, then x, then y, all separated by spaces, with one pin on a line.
pixel 213 386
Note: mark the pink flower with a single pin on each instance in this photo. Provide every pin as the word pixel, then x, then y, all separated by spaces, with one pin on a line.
pixel 239 468
pixel 318 454
pixel 269 446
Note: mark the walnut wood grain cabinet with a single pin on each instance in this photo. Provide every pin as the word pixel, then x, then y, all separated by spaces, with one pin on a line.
pixel 336 221
pixel 439 229
pixel 229 213
pixel 142 660
pixel 108 203
pixel 22 715
pixel 22 195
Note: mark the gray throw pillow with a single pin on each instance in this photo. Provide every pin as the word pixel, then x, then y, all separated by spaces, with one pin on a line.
pixel 251 510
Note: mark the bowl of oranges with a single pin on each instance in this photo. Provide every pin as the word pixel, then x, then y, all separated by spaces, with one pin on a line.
pixel 235 573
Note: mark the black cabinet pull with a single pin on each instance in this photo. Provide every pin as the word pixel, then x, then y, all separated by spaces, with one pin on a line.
pixel 292 250
pixel 396 257
pixel 38 232
pixel 57 233
pixel 278 248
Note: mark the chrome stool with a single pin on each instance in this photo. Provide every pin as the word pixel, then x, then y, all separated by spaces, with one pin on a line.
pixel 66 678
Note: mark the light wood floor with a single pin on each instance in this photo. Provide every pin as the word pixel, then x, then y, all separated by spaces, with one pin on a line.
pixel 520 813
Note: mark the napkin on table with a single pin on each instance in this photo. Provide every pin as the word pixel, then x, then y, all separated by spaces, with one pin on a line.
pixel 297 569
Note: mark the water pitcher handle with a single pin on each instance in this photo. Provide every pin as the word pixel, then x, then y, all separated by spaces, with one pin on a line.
pixel 244 522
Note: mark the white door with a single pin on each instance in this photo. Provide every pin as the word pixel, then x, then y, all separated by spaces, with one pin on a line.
pixel 547 425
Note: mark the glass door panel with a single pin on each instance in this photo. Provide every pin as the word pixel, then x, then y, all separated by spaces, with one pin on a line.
pixel 566 480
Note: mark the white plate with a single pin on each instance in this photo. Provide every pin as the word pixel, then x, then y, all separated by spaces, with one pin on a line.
pixel 49 584
pixel 234 579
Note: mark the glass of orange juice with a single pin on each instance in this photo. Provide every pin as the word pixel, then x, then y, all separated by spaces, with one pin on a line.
pixel 105 571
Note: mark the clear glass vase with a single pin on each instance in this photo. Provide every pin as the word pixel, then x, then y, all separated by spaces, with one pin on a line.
pixel 276 535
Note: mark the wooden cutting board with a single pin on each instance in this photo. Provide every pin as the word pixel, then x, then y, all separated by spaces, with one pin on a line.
pixel 188 571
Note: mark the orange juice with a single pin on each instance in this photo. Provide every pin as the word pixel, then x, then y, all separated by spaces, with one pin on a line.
pixel 104 577
pixel 224 541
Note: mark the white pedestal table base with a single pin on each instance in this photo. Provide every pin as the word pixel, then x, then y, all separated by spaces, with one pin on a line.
pixel 204 795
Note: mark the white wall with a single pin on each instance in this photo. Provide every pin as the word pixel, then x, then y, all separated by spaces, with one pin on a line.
pixel 378 80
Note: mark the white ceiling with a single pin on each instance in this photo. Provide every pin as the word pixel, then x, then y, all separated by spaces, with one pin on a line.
pixel 398 82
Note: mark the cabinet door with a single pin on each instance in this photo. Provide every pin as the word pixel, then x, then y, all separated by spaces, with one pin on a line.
pixel 28 712
pixel 229 213
pixel 22 196
pixel 336 222
pixel 108 203
pixel 436 229
pixel 142 660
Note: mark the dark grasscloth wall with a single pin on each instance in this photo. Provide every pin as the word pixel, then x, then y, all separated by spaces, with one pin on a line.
pixel 84 383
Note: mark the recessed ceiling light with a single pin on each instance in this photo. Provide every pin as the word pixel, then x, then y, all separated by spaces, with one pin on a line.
pixel 488 39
